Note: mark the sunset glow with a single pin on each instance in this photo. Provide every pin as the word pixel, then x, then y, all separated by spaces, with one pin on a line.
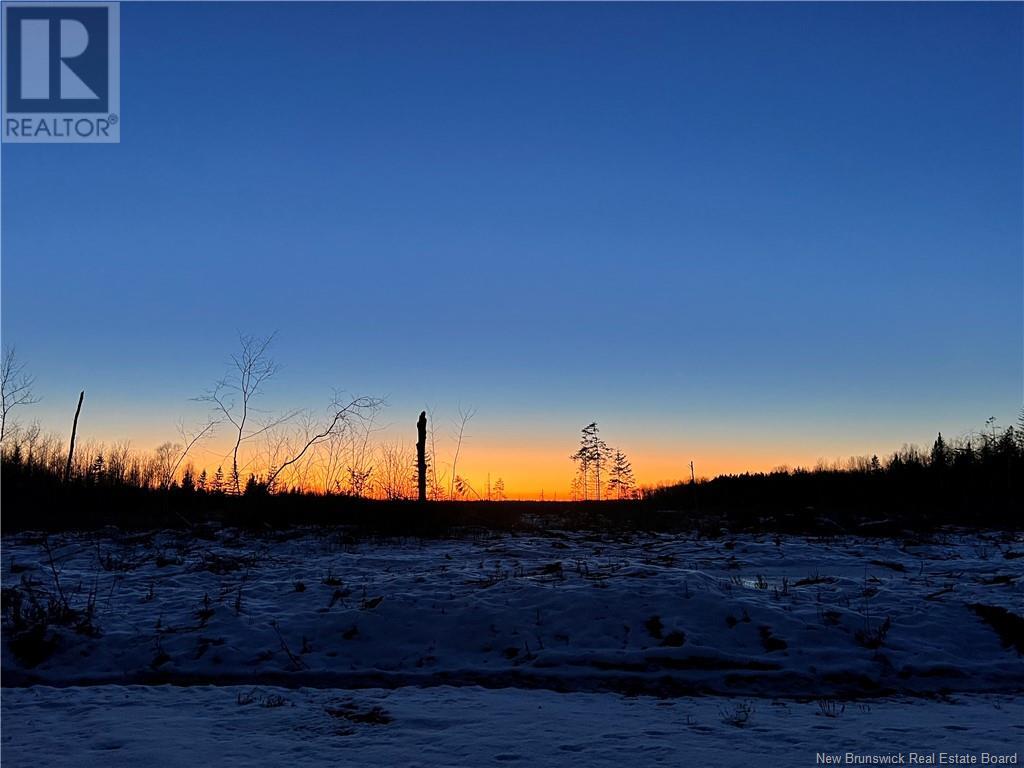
pixel 552 384
pixel 740 255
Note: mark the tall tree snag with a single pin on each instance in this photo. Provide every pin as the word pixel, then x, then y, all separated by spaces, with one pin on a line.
pixel 421 455
pixel 74 429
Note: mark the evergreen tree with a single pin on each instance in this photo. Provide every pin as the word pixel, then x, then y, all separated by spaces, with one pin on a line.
pixel 621 482
pixel 218 481
pixel 254 486
pixel 591 460
pixel 576 487
pixel 940 453
pixel 188 479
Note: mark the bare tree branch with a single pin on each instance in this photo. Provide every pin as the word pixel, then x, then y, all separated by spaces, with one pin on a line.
pixel 232 395
pixel 359 407
pixel 190 440
pixel 464 417
pixel 15 387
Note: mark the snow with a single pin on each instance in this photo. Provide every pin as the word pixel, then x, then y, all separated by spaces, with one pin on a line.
pixel 206 725
pixel 506 647
pixel 750 616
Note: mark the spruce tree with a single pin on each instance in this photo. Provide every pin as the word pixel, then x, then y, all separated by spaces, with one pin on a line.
pixel 621 482
pixel 940 454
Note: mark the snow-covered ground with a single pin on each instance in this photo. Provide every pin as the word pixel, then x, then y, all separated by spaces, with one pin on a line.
pixel 661 614
pixel 471 726
pixel 512 646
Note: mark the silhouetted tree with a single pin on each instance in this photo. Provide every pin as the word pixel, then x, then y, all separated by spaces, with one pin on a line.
pixel 15 387
pixel 358 480
pixel 463 488
pixel 217 486
pixel 232 395
pixel 188 479
pixel 166 456
pixel 290 456
pixel 255 487
pixel 394 475
pixel 621 482
pixel 421 456
pixel 74 432
pixel 591 459
pixel 341 413
pixel 191 439
pixel 360 467
pixel 464 417
pixel 940 454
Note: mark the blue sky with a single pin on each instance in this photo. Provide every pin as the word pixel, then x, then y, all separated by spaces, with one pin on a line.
pixel 760 231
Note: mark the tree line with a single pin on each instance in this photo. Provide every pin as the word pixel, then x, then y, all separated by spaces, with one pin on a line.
pixel 335 452
pixel 974 480
pixel 331 451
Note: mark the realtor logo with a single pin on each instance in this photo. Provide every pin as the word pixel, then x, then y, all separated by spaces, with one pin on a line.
pixel 62 72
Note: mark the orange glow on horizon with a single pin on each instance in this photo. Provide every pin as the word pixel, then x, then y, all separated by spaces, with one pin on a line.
pixel 530 470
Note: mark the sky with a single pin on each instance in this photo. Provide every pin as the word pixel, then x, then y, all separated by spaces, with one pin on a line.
pixel 742 235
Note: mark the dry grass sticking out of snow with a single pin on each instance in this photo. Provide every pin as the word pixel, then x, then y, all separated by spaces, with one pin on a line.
pixel 655 614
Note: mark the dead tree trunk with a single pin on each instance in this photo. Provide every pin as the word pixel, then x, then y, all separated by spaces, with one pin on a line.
pixel 74 429
pixel 421 455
